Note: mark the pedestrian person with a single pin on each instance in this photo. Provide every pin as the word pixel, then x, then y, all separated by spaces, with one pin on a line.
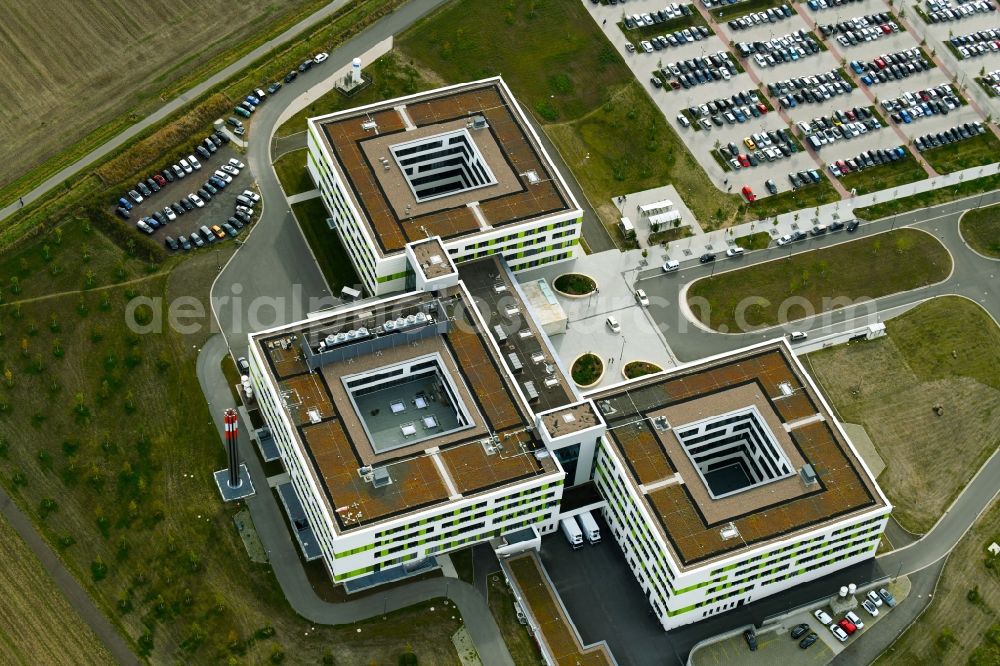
pixel 22 202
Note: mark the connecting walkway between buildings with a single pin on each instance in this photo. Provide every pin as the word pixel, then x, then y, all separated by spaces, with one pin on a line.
pixel 547 618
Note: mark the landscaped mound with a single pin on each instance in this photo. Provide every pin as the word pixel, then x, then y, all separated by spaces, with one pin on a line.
pixel 635 369
pixel 575 284
pixel 587 369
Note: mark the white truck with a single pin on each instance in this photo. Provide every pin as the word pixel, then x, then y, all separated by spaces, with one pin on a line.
pixel 572 532
pixel 590 529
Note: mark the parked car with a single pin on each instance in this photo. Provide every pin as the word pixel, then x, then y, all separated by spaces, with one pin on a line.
pixel 734 251
pixel 187 204
pixel 171 244
pixel 870 607
pixel 152 184
pixel 613 324
pixel 203 151
pixel 853 618
pixel 751 638
pixel 234 122
pixel 184 243
pixel 288 79
pixel 143 227
pixel 186 166
pixel 229 229
pixel 243 366
pixel 641 298
pixel 197 240
pixel 873 597
pixel 196 200
pixel 124 203
pixel 274 87
pixel 671 265
pixel 839 633
pixel 822 616
pixel 799 629
pixel 217 230
pixel 249 194
pixel 135 196
pixel 848 626
pixel 798 336
pixel 169 175
pixel 141 186
pixel 708 257
pixel 160 180
pixel 306 65
pixel 123 212
pixel 178 171
pixel 194 162
pixel 320 57
pixel 239 165
pixel 852 226
pixel 808 641
pixel 240 111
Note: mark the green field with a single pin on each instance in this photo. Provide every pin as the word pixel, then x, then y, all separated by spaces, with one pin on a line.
pixel 945 352
pixel 930 198
pixel 977 151
pixel 330 254
pixel 883 177
pixel 782 290
pixel 602 121
pixel 37 624
pixel 49 104
pixel 981 230
pixel 292 173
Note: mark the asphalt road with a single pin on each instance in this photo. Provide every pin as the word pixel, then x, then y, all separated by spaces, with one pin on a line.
pixel 171 106
pixel 974 276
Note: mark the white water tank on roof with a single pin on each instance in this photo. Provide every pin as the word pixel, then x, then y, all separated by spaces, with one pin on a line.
pixel 356 71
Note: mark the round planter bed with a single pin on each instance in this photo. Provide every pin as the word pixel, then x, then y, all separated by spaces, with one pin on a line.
pixel 634 369
pixel 575 285
pixel 587 370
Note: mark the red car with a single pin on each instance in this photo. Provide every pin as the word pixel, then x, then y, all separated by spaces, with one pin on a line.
pixel 744 162
pixel 762 109
pixel 886 29
pixel 880 63
pixel 748 193
pixel 842 165
pixel 847 626
pixel 160 180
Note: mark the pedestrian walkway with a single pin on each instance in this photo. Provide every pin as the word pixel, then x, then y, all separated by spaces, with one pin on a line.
pixel 303 196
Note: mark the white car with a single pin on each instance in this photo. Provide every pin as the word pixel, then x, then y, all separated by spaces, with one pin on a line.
pixel 186 166
pixel 169 212
pixel 839 633
pixel 320 57
pixel 646 46
pixel 785 240
pixel 821 615
pixel 230 169
pixel 874 598
pixel 224 176
pixel 641 297
pixel 671 265
pixel 193 161
pixel 613 325
pixel 853 618
pixel 236 163
pixel 196 200
pixel 870 607
pixel 734 251
pixel 250 194
pixel 245 210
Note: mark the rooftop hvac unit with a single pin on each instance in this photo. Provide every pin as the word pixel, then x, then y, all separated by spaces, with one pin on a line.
pixel 365 473
pixel 541 454
pixel 381 478
pixel 515 362
pixel 478 122
pixel 314 416
pixel 499 288
pixel 435 260
pixel 538 357
pixel 488 446
pixel 389 325
pixel 785 388
pixel 524 333
pixel 530 391
pixel 551 382
pixel 660 423
pixel 369 125
pixel 500 335
pixel 808 474
pixel 511 310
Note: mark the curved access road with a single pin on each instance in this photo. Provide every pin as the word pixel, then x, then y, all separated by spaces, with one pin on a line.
pixel 170 107
pixel 274 271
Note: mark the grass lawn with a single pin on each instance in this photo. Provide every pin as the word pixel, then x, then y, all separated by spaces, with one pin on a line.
pixel 575 284
pixel 757 241
pixel 391 77
pixel 587 369
pixel 960 626
pixel 885 176
pixel 804 197
pixel 979 150
pixel 108 444
pixel 39 626
pixel 944 352
pixel 325 243
pixel 521 644
pixel 601 120
pixel 635 369
pixel 930 198
pixel 981 230
pixel 819 280
pixel 292 172
pixel 669 235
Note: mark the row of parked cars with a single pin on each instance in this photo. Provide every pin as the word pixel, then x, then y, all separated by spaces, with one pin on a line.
pixel 701 69
pixel 838 126
pixel 206 235
pixel 809 89
pixel 891 66
pixel 772 15
pixel 851 622
pixel 943 11
pixel 215 183
pixel 867 160
pixel 816 5
pixel 695 33
pixel 804 178
pixel 953 135
pixel 861 29
pixel 976 43
pixel 787 48
pixel 146 188
pixel 764 146
pixel 915 104
pixel 992 81
pixel 738 108
pixel 670 12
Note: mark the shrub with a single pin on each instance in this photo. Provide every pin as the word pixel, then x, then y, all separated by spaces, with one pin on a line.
pixel 98 570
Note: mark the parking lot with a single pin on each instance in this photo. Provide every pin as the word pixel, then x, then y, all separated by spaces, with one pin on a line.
pixel 216 210
pixel 778 48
